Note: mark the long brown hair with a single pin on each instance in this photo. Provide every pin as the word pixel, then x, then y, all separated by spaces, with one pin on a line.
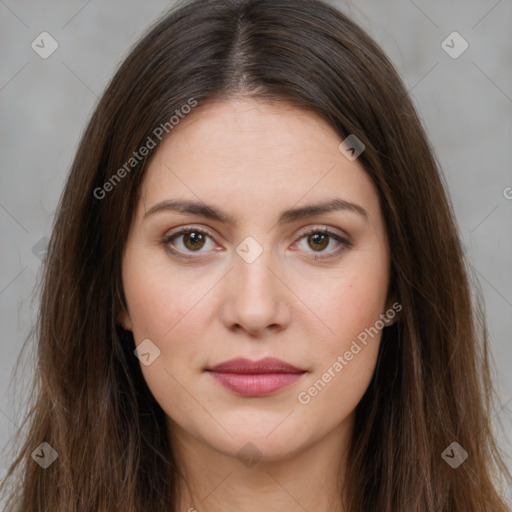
pixel 431 386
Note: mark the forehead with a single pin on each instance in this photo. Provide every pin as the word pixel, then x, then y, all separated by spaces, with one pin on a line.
pixel 235 130
pixel 246 154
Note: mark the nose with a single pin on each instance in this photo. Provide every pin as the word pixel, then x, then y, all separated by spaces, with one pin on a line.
pixel 255 298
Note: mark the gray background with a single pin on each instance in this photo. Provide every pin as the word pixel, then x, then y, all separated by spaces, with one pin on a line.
pixel 465 104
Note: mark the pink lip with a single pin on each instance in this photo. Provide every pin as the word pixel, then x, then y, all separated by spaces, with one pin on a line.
pixel 255 378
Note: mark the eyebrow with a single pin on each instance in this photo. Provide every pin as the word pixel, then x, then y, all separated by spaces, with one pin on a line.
pixel 287 216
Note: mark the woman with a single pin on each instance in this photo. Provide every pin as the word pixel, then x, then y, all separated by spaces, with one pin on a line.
pixel 255 295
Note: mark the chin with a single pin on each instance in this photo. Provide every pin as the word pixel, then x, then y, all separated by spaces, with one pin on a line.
pixel 267 443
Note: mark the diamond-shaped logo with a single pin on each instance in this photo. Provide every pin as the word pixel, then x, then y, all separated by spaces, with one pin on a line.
pixel 249 249
pixel 44 455
pixel 351 147
pixel 454 455
pixel 44 45
pixel 249 454
pixel 147 352
pixel 454 45
pixel 39 249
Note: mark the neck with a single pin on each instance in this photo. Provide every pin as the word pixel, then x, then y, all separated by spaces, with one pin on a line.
pixel 214 481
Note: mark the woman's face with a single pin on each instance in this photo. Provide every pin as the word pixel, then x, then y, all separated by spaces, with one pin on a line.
pixel 248 281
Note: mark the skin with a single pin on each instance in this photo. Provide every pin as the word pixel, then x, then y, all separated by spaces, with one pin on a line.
pixel 254 159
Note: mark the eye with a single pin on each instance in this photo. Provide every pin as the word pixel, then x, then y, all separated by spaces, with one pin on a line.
pixel 320 238
pixel 196 239
pixel 193 240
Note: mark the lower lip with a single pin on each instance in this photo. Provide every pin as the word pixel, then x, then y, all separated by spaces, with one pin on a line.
pixel 255 384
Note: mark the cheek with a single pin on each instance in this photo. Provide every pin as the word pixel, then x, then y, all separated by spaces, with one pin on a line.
pixel 344 361
pixel 332 394
pixel 166 309
pixel 348 304
pixel 171 308
pixel 158 299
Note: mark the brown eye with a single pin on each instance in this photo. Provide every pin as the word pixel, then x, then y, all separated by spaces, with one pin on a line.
pixel 187 241
pixel 318 241
pixel 194 240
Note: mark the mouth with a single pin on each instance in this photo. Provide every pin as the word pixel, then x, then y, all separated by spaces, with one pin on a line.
pixel 255 378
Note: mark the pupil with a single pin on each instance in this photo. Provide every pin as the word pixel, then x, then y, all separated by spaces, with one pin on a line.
pixel 192 235
pixel 316 240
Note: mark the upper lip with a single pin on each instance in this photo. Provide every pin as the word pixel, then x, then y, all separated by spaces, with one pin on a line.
pixel 265 365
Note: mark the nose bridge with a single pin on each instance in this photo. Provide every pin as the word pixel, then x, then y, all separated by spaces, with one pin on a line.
pixel 253 269
pixel 255 297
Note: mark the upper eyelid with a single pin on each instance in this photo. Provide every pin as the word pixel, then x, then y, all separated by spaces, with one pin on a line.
pixel 302 232
pixel 179 231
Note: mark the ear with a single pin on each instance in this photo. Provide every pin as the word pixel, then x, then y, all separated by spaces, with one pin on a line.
pixel 392 311
pixel 123 318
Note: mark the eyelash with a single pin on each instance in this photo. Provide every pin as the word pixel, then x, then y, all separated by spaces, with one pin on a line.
pixel 345 244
